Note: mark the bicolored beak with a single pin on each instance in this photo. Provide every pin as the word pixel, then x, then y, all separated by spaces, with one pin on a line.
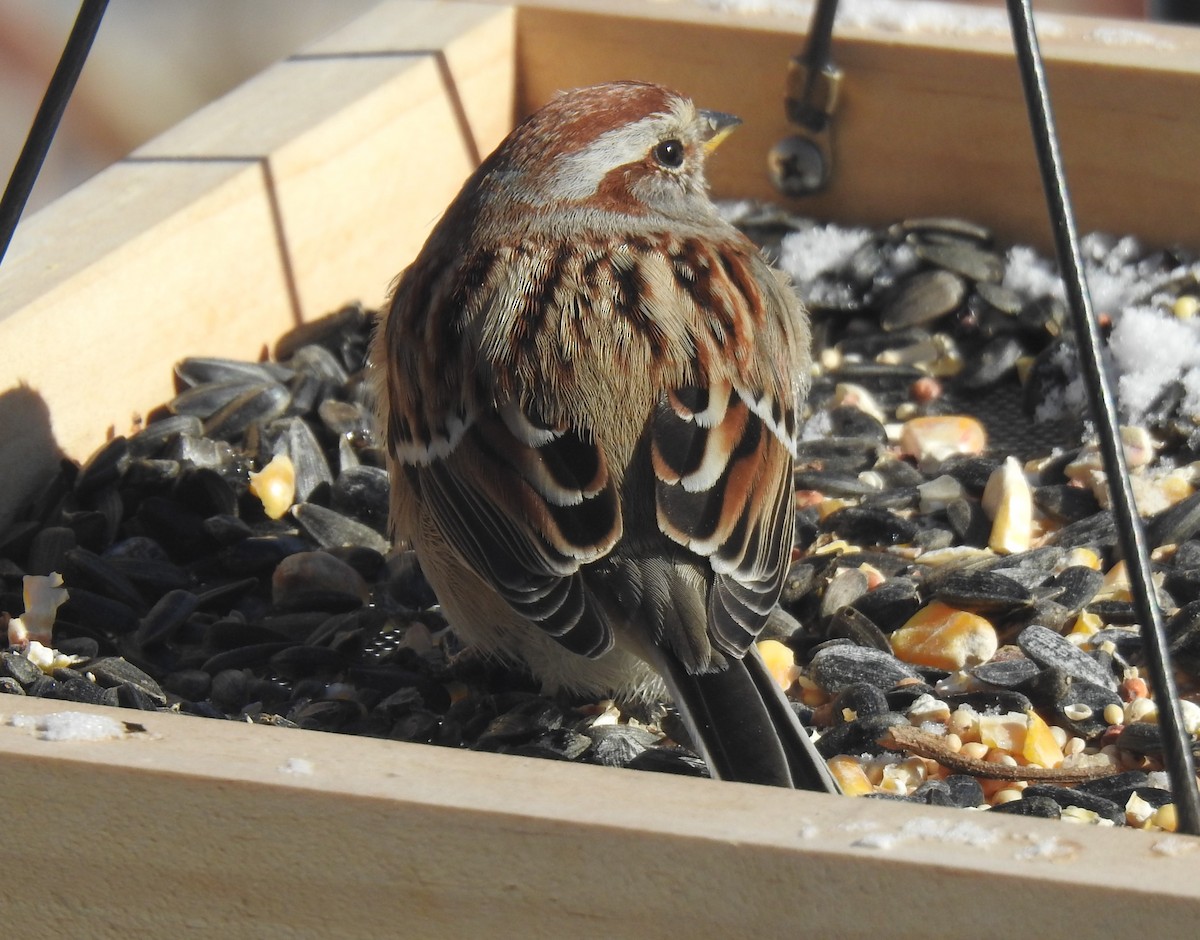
pixel 720 126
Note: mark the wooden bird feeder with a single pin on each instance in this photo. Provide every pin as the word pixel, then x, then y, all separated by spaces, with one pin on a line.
pixel 312 185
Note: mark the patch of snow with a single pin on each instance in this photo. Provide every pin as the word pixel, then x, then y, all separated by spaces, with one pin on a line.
pixel 298 766
pixel 70 726
pixel 1127 36
pixel 807 254
pixel 896 16
pixel 1150 348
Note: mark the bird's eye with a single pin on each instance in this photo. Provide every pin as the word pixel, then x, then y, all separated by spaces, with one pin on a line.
pixel 669 153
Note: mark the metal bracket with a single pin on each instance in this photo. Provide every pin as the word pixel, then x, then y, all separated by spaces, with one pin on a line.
pixel 802 164
pixel 812 93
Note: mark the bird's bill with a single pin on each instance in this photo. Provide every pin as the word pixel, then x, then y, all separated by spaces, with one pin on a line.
pixel 720 125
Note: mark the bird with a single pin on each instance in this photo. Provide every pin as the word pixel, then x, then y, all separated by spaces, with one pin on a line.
pixel 590 386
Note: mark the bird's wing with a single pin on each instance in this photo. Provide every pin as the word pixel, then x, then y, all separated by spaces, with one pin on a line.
pixel 526 506
pixel 524 500
pixel 724 490
pixel 722 447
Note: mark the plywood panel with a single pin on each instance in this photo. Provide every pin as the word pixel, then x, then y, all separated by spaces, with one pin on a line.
pixel 249 831
pixel 90 343
pixel 929 122
pixel 311 185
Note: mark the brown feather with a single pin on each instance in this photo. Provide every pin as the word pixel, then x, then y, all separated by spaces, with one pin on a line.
pixel 654 360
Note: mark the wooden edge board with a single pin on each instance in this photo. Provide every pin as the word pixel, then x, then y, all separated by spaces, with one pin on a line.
pixel 928 23
pixel 929 123
pixel 264 832
pixel 252 831
pixel 248 217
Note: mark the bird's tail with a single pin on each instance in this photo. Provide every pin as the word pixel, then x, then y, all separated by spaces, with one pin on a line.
pixel 745 727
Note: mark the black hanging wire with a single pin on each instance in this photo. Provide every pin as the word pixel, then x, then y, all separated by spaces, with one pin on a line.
pixel 1176 740
pixel 45 122
pixel 818 57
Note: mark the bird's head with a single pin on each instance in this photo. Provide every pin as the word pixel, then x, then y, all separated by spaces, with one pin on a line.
pixel 627 148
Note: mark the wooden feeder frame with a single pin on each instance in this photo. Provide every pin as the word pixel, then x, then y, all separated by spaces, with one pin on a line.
pixel 312 185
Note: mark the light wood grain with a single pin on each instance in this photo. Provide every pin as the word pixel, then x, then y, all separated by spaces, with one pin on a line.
pixel 138 268
pixel 313 185
pixel 929 122
pixel 310 186
pixel 209 825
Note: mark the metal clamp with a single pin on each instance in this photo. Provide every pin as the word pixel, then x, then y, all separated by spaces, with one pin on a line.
pixel 802 164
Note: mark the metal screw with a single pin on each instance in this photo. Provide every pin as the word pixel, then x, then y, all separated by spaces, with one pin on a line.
pixel 798 166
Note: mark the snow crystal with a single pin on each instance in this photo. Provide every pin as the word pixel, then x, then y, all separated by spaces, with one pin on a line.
pixel 1150 348
pixel 1052 849
pixel 1069 399
pixel 1125 36
pixel 809 253
pixel 819 427
pixel 878 840
pixel 1173 847
pixel 947 831
pixel 1112 291
pixel 1028 272
pixel 298 766
pixel 897 16
pixel 70 726
pixel 1149 345
pixel 927 829
pixel 859 825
